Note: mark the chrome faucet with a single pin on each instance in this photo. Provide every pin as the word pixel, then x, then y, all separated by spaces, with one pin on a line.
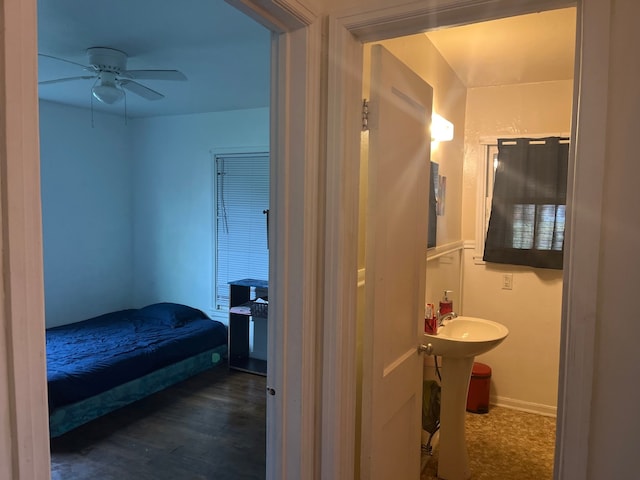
pixel 445 317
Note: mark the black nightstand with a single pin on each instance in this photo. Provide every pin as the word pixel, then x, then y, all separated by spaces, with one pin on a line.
pixel 240 313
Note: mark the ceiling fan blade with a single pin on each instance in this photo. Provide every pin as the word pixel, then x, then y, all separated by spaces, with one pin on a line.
pixel 154 74
pixel 86 67
pixel 141 90
pixel 67 79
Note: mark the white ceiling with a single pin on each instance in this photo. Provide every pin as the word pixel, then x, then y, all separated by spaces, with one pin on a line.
pixel 226 56
pixel 531 48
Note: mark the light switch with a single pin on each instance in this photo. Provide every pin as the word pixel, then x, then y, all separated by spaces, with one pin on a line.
pixel 507 281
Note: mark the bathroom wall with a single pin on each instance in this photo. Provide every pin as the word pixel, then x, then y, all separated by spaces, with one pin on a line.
pixel 525 366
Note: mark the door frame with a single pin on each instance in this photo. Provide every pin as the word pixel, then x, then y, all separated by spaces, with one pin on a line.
pixel 584 202
pixel 24 441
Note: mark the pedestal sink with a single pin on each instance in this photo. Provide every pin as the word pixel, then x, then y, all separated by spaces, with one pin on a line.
pixel 458 342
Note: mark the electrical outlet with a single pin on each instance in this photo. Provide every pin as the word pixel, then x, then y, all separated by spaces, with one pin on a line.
pixel 507 281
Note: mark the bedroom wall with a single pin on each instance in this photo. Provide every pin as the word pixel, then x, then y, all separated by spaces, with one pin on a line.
pixel 86 213
pixel 127 208
pixel 173 178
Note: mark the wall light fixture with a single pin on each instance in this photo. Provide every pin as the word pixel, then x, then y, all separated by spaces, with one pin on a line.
pixel 441 129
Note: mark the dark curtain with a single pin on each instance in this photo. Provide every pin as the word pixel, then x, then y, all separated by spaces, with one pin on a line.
pixel 527 220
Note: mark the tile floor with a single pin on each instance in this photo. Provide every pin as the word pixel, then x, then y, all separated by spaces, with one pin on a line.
pixel 505 444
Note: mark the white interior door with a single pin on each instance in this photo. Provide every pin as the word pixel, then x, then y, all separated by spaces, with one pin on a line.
pixel 395 262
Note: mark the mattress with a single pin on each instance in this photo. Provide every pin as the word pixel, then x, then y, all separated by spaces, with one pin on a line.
pixel 95 355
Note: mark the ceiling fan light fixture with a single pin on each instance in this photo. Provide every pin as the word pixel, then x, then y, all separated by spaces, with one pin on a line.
pixel 109 69
pixel 108 94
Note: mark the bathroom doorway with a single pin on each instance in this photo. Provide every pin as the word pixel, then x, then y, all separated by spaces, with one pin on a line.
pixel 549 283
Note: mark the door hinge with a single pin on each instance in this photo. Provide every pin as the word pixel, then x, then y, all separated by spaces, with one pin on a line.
pixel 365 115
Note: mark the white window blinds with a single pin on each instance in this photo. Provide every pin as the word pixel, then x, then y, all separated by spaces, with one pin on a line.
pixel 242 196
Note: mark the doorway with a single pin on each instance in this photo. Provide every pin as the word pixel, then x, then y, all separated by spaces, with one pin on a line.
pixel 374 26
pixel 144 180
pixel 480 108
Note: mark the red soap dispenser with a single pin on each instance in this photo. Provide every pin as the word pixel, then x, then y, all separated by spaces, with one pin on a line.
pixel 446 304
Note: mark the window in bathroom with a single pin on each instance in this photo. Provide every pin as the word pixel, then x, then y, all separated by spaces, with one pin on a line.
pixel 528 198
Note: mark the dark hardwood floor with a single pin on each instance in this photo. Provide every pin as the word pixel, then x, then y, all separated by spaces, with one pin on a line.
pixel 211 426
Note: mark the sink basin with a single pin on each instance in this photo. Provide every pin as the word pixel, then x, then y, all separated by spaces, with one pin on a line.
pixel 466 337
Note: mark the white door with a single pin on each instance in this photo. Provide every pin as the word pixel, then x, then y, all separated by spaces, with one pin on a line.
pixel 395 262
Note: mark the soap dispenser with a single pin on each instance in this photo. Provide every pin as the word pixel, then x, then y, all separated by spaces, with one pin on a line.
pixel 446 304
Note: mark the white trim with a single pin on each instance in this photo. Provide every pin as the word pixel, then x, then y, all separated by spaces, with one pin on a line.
pixel 24 440
pixel 481 195
pixel 441 250
pixel 279 16
pixel 582 239
pixel 469 244
pixel 477 257
pixel 522 406
pixel 295 244
pixel 341 255
pixel 374 24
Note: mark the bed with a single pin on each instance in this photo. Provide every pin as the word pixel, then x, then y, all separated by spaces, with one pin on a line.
pixel 98 365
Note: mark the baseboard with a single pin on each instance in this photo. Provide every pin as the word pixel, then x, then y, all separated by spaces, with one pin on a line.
pixel 540 409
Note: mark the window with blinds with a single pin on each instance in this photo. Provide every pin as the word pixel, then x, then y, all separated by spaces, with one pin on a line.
pixel 242 197
pixel 528 207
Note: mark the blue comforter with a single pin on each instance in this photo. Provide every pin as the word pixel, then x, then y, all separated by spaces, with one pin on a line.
pixel 92 356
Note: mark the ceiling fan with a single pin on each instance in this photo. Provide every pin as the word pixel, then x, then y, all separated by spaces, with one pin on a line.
pixel 109 67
